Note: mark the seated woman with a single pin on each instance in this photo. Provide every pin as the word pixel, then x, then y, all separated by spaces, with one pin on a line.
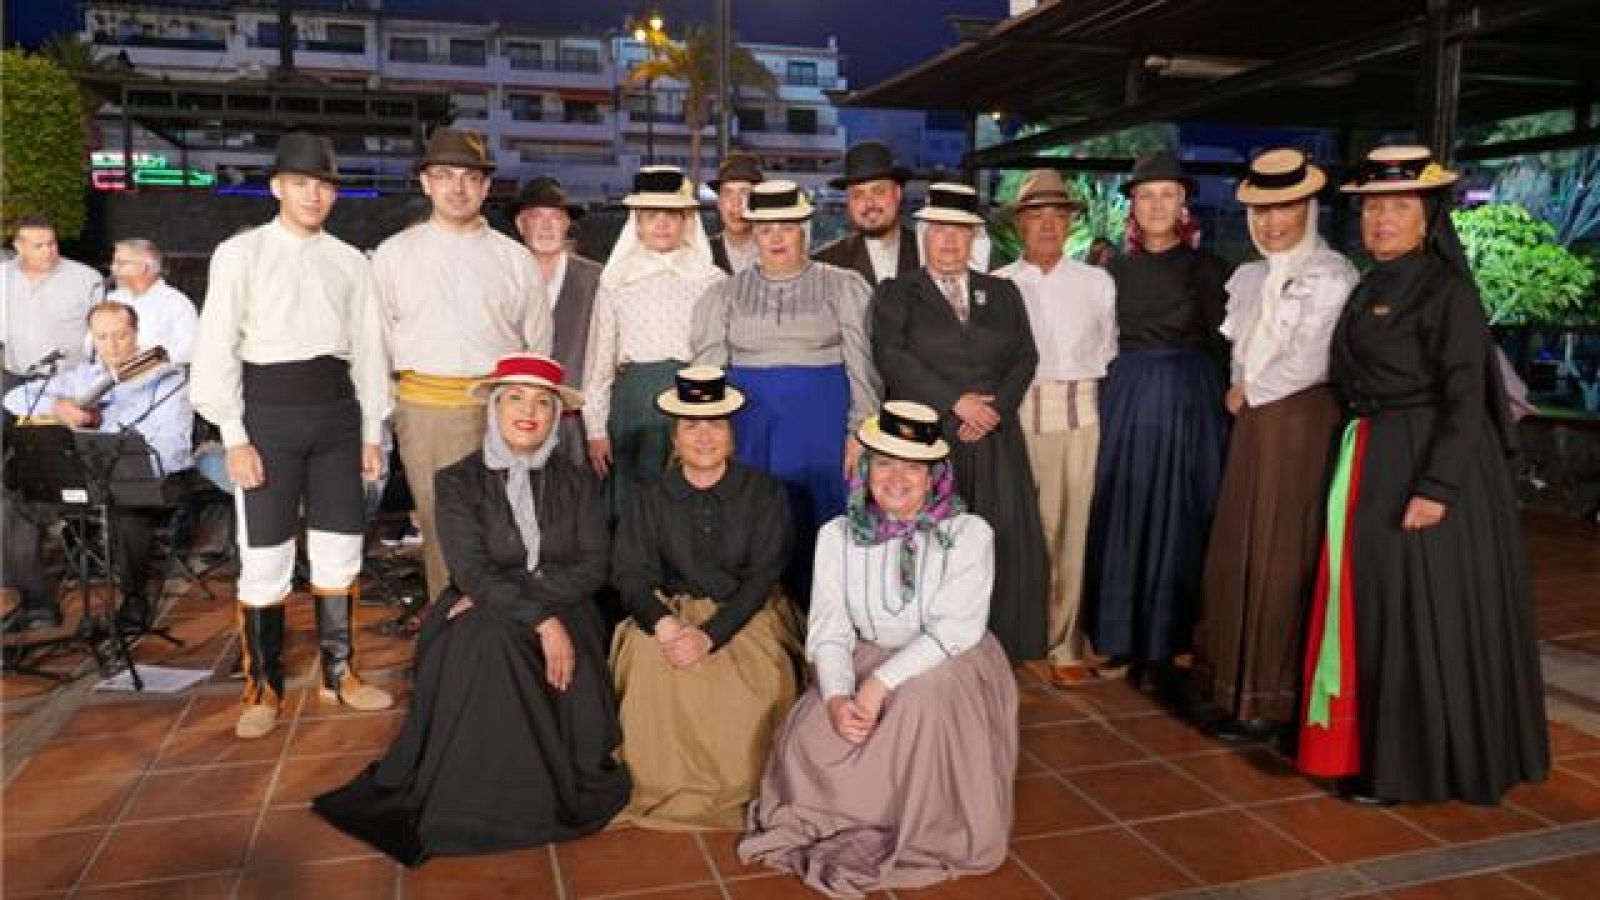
pixel 512 727
pixel 706 668
pixel 896 770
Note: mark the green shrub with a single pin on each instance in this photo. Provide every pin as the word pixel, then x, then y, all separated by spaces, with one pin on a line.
pixel 42 160
pixel 1524 276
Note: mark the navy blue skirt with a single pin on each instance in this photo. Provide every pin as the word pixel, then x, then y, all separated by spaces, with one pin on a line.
pixel 1163 434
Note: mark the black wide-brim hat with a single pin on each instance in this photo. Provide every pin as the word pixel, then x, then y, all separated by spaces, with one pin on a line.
pixel 544 192
pixel 870 161
pixel 1159 165
pixel 306 154
pixel 737 167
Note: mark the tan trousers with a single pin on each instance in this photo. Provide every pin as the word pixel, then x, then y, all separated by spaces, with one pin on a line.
pixel 1061 426
pixel 430 438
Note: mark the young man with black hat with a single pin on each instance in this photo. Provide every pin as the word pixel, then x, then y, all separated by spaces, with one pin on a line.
pixel 879 247
pixel 543 216
pixel 457 295
pixel 290 366
pixel 734 250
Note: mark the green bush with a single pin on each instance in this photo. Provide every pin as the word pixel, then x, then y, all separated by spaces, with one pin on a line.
pixel 42 160
pixel 1524 276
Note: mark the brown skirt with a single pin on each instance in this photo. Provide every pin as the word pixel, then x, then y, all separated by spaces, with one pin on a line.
pixel 695 739
pixel 927 798
pixel 1261 564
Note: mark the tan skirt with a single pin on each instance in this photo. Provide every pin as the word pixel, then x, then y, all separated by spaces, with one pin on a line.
pixel 695 739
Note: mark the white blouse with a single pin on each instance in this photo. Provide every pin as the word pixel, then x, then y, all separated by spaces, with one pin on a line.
pixel 855 595
pixel 1300 330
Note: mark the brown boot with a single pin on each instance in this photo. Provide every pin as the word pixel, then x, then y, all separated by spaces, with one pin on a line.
pixel 261 643
pixel 335 638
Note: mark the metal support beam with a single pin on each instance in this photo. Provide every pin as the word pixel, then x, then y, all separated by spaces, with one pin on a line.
pixel 1438 82
pixel 1581 137
pixel 724 79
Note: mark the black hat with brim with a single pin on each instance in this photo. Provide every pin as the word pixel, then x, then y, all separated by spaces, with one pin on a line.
pixel 1159 166
pixel 544 192
pixel 304 153
pixel 870 161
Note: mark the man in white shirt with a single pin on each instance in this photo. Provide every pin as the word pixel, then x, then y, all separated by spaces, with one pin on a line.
pixel 879 248
pixel 290 367
pixel 457 295
pixel 167 318
pixel 46 298
pixel 1072 310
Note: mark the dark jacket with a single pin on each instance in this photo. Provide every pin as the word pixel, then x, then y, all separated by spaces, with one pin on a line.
pixel 484 550
pixel 574 310
pixel 850 252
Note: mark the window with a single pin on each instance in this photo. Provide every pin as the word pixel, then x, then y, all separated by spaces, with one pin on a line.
pixel 525 55
pixel 802 120
pixel 580 59
pixel 266 34
pixel 751 119
pixel 408 49
pixel 582 111
pixel 525 107
pixel 467 52
pixel 344 37
pixel 470 106
pixel 802 73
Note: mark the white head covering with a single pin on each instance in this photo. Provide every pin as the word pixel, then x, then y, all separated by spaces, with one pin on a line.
pixel 1264 339
pixel 981 245
pixel 498 455
pixel 631 261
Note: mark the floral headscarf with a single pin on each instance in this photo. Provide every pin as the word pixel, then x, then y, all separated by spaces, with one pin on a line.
pixel 870 525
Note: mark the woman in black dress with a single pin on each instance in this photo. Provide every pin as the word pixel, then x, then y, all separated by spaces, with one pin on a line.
pixel 513 724
pixel 1427 687
pixel 958 340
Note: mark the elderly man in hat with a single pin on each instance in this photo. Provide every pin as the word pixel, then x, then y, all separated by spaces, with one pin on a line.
pixel 544 216
pixel 1073 312
pixel 878 248
pixel 457 295
pixel 734 250
pixel 290 366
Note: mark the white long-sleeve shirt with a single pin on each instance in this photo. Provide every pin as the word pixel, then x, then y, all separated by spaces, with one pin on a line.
pixel 156 406
pixel 1301 329
pixel 455 303
pixel 167 319
pixel 275 296
pixel 1072 310
pixel 855 596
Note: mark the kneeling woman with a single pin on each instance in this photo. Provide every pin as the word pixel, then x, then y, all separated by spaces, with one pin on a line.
pixel 706 668
pixel 510 738
pixel 896 770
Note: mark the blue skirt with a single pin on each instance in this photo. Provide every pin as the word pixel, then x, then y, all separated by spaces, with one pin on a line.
pixel 793 427
pixel 1163 434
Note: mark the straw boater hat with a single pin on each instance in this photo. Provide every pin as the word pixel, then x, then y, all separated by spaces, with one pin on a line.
pixel 547 193
pixel 1402 168
pixel 529 369
pixel 904 430
pixel 1044 187
pixel 1280 176
pixel 306 154
pixel 661 187
pixel 777 201
pixel 1160 165
pixel 737 167
pixel 869 161
pixel 455 147
pixel 701 392
pixel 951 202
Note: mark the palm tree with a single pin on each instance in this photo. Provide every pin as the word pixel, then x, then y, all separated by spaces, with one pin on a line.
pixel 693 63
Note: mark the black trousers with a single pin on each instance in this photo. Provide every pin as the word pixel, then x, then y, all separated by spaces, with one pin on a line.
pixel 24 568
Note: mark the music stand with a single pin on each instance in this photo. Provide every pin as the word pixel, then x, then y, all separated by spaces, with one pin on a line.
pixel 84 477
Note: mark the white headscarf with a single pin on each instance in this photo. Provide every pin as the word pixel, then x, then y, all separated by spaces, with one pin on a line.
pixel 1267 336
pixel 498 455
pixel 978 259
pixel 632 261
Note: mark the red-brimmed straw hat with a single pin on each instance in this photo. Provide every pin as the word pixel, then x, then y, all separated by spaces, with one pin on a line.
pixel 529 369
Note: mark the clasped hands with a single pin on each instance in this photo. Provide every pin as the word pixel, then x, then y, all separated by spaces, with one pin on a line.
pixel 683 645
pixel 855 718
pixel 978 416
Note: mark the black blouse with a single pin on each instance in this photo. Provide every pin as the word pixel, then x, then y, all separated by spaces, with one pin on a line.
pixel 1175 298
pixel 484 550
pixel 729 542
pixel 1413 334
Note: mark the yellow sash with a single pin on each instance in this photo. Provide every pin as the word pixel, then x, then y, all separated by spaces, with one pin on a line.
pixel 434 390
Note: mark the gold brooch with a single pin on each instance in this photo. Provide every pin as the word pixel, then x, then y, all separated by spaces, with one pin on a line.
pixel 1434 172
pixel 1380 309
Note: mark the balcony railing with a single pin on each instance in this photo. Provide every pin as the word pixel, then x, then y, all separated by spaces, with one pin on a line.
pixel 583 117
pixel 539 64
pixel 171 43
pixel 437 59
pixel 353 48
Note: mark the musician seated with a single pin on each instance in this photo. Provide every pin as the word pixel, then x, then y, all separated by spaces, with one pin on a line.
pixel 121 388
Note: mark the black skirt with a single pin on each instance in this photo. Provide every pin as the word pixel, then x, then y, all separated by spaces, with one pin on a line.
pixel 491 758
pixel 1450 698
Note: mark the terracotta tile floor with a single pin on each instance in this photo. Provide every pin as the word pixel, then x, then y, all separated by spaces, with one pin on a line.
pixel 152 797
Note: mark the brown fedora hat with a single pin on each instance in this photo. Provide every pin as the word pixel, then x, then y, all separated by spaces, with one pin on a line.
pixel 737 167
pixel 1044 187
pixel 455 147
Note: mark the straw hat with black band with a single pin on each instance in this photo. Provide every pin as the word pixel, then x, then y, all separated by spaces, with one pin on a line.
pixel 904 430
pixel 661 187
pixel 1283 175
pixel 777 201
pixel 303 153
pixel 1390 170
pixel 528 370
pixel 952 203
pixel 456 147
pixel 700 392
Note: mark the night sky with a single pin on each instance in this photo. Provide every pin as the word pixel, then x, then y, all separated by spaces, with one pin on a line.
pixel 879 37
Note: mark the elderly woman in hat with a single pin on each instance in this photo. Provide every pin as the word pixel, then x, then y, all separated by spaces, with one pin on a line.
pixel 1423 669
pixel 639 335
pixel 958 340
pixel 895 770
pixel 705 670
pixel 512 727
pixel 1262 558
pixel 1163 432
pixel 794 335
